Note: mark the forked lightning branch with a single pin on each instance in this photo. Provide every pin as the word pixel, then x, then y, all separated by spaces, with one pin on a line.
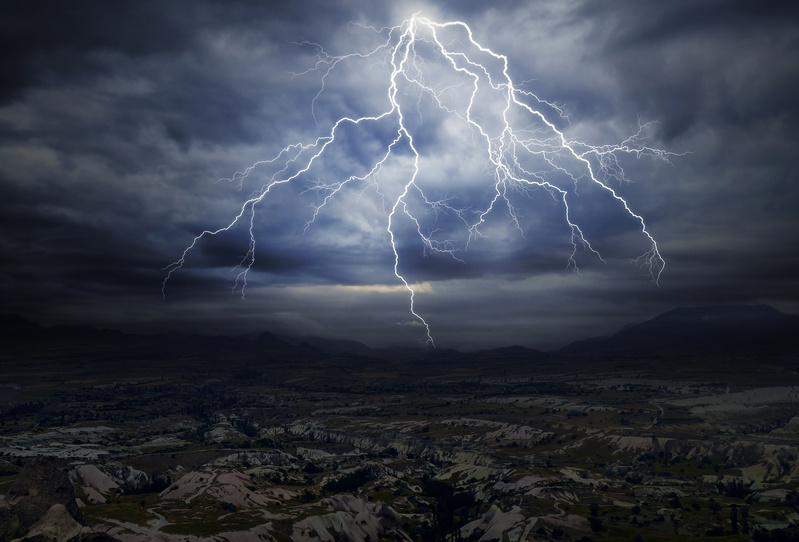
pixel 441 66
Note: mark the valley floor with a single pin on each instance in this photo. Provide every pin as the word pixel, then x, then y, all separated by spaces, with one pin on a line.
pixel 370 451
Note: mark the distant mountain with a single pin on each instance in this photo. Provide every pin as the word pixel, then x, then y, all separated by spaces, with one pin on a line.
pixel 266 339
pixel 331 346
pixel 510 353
pixel 82 331
pixel 24 339
pixel 13 324
pixel 743 331
pixel 724 330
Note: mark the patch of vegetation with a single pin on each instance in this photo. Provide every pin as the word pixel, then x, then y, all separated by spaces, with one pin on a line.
pixel 132 509
pixel 212 522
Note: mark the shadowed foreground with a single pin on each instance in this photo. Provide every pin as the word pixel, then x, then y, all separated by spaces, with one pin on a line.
pixel 666 431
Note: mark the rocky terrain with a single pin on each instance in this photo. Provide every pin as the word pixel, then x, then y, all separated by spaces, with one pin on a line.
pixel 113 437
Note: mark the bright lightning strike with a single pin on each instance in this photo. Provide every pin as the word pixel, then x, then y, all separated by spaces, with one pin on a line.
pixel 441 67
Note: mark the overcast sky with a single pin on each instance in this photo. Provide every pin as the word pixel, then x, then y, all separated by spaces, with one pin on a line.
pixel 123 124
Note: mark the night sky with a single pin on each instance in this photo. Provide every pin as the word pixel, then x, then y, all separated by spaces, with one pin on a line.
pixel 123 124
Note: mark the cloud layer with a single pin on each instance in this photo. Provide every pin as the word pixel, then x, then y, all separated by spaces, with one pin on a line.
pixel 117 123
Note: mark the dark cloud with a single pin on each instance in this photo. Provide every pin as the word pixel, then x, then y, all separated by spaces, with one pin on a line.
pixel 46 42
pixel 688 62
pixel 119 123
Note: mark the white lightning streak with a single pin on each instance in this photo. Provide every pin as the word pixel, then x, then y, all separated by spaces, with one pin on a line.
pixel 508 149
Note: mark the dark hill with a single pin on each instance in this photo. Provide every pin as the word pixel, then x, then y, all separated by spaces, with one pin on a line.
pixel 331 346
pixel 510 353
pixel 757 331
pixel 13 325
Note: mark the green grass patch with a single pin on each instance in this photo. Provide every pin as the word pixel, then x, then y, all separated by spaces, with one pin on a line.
pixel 216 521
pixel 130 509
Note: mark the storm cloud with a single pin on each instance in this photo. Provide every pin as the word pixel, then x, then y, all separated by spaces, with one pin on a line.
pixel 121 125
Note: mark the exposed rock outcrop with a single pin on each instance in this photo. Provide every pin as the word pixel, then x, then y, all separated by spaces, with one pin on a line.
pixel 40 506
pixel 40 484
pixel 56 524
pixel 350 519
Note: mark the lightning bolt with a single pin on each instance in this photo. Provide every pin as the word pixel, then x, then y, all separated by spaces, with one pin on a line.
pixel 524 149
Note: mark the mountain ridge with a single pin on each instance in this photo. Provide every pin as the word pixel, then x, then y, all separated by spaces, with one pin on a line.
pixel 715 329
